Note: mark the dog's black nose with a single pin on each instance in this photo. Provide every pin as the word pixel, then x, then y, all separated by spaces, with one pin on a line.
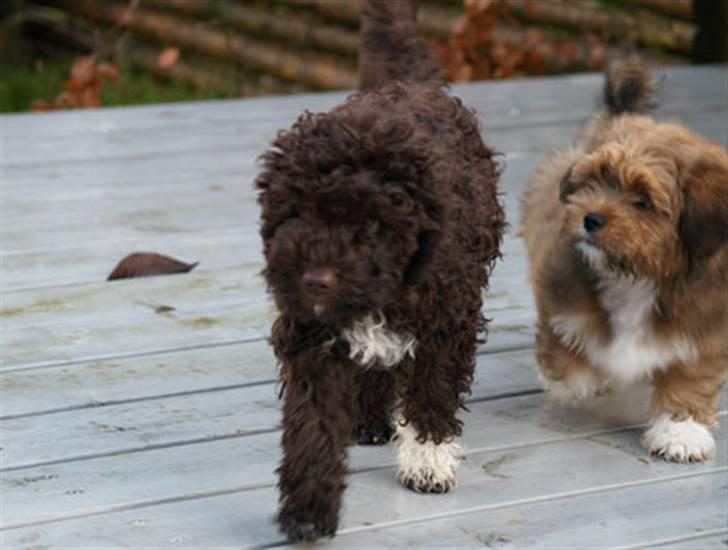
pixel 593 222
pixel 320 279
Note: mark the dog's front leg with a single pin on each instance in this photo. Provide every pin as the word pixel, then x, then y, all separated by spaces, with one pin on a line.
pixel 685 404
pixel 427 427
pixel 565 373
pixel 317 425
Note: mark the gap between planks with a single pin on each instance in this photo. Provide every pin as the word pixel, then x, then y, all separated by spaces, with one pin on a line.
pixel 674 540
pixel 231 387
pixel 161 351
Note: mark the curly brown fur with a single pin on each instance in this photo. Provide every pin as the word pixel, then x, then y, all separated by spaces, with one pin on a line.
pixel 381 224
pixel 627 237
pixel 375 407
pixel 389 26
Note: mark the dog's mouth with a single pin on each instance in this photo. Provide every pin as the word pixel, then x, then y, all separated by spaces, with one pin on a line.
pixel 329 312
pixel 600 260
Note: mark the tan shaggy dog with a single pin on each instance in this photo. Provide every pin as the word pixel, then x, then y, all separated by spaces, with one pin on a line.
pixel 626 238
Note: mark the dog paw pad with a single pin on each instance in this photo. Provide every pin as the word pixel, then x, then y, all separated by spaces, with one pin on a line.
pixel 426 482
pixel 374 432
pixel 684 441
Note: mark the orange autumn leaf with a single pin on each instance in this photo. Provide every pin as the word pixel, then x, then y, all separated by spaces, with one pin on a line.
pixel 83 70
pixel 83 86
pixel 167 58
pixel 40 105
pixel 488 41
pixel 108 71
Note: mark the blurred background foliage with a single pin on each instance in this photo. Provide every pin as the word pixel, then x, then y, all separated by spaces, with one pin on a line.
pixel 57 54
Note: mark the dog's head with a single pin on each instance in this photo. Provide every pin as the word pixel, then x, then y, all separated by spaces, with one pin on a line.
pixel 648 207
pixel 349 218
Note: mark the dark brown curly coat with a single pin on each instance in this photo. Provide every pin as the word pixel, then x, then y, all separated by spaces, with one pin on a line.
pixel 380 216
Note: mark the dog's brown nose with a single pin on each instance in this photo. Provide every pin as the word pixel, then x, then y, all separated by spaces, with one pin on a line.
pixel 320 279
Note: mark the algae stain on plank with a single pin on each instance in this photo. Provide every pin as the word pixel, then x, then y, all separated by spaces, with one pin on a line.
pixel 492 467
pixel 205 321
pixel 47 305
pixel 25 481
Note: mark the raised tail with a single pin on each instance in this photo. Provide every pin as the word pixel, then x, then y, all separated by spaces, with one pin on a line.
pixel 389 48
pixel 628 86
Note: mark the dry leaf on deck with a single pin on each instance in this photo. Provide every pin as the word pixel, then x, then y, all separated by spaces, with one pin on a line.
pixel 144 264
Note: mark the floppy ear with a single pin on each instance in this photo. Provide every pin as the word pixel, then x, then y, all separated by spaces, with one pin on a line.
pixel 567 186
pixel 426 243
pixel 704 220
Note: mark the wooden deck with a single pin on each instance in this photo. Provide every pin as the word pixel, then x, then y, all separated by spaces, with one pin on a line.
pixel 123 426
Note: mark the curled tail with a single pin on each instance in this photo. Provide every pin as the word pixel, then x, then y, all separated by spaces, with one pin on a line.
pixel 628 86
pixel 389 48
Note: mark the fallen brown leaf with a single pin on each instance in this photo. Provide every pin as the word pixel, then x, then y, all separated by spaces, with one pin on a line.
pixel 145 264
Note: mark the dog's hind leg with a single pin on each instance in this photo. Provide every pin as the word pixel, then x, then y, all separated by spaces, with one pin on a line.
pixel 374 424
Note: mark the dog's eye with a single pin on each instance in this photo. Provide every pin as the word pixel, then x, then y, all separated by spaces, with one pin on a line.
pixel 372 225
pixel 643 202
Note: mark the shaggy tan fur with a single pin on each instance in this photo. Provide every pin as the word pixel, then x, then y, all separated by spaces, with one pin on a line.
pixel 626 238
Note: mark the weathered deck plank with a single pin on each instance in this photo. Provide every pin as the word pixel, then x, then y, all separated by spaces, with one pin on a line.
pixel 227 412
pixel 156 193
pixel 584 520
pixel 493 479
pixel 126 427
pixel 500 104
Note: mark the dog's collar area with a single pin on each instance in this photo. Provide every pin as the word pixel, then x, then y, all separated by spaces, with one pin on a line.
pixel 372 343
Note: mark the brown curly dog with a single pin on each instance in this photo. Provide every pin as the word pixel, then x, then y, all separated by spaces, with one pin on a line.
pixel 380 223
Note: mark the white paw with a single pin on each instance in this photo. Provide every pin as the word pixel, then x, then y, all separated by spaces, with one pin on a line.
pixel 426 467
pixel 679 441
pixel 577 387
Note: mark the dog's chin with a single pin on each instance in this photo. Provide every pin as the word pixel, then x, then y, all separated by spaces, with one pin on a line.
pixel 602 262
pixel 594 256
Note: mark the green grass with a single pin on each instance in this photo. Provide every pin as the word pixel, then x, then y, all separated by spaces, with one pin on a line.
pixel 136 87
pixel 21 84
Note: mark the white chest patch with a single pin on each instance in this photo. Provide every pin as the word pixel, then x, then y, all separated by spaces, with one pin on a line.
pixel 633 351
pixel 371 342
